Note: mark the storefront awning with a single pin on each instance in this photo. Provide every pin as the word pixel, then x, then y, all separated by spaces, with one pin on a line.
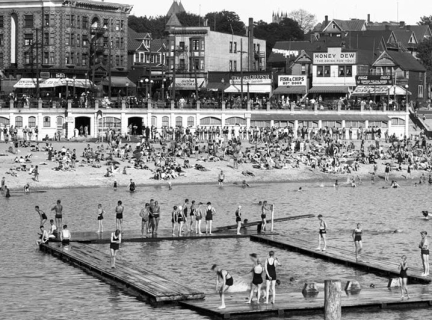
pixel 290 90
pixel 217 86
pixel 119 82
pixel 380 91
pixel 317 117
pixel 27 83
pixel 62 82
pixel 329 89
pixel 252 88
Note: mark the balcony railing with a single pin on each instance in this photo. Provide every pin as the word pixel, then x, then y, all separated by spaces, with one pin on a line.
pixel 97 30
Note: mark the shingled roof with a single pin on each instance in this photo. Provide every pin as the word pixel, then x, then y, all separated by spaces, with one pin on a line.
pixel 135 39
pixel 345 25
pixel 406 61
pixel 175 8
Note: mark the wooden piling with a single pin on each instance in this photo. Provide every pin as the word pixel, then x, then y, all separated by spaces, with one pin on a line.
pixel 332 300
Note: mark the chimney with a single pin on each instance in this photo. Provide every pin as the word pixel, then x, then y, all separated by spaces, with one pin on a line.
pixel 251 53
pixel 325 21
pixel 368 18
pixel 402 24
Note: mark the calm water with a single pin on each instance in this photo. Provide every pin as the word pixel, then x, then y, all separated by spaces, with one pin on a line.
pixel 34 285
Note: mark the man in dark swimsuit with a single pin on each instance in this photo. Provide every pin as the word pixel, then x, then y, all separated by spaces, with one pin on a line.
pixel 58 208
pixel 209 212
pixel 119 215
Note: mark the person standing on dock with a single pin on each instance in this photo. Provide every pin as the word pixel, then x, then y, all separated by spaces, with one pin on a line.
pixel 264 209
pixel 322 233
pixel 155 209
pixel 257 280
pixel 221 178
pixel 174 219
pixel 198 218
pixel 270 269
pixel 424 247
pixel 238 219
pixel 100 218
pixel 210 212
pixel 115 245
pixel 58 208
pixel 186 212
pixel 42 215
pixel 144 214
pixel 119 215
pixel 404 276
pixel 357 236
pixel 226 282
pixel 180 220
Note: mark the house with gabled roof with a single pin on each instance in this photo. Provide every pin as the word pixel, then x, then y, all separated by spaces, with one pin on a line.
pixel 338 28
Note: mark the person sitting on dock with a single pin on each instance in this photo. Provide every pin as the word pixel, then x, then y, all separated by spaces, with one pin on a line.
pixel 53 230
pixel 44 237
pixel 322 233
pixel 270 269
pixel 65 235
pixel 404 276
pixel 114 246
pixel 424 247
pixel 226 282
pixel 357 236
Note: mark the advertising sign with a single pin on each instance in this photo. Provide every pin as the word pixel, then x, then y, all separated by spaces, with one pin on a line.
pixel 334 56
pixel 374 90
pixel 188 83
pixel 374 80
pixel 251 79
pixel 288 81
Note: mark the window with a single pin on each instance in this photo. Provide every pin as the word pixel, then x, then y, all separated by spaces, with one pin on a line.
pixel 67 39
pixel 1 59
pixel 67 21
pixel 303 68
pixel 28 21
pixel 179 122
pixel 320 71
pixel 1 21
pixel 19 122
pixel 420 76
pixel 326 71
pixel 28 39
pixel 84 59
pixel 202 64
pixel 258 47
pixel 72 41
pixel 121 43
pixel 52 38
pixel 202 45
pixel 46 58
pixel 117 42
pixel 231 47
pixel 47 20
pixel 195 45
pixel 47 122
pixel 121 61
pixel 105 23
pixel 110 122
pixel 230 65
pixel 72 58
pixel 27 57
pixel 165 121
pixel 190 121
pixel 46 39
pixel 121 24
pixel 85 22
pixel 235 47
pixel 32 122
pixel 67 58
pixel 1 39
pixel 78 24
pixel 235 65
pixel 85 40
pixel 348 71
pixel 420 91
pixel 72 21
pixel 397 122
pixel 117 61
pixel 341 72
pixel 181 45
pixel 234 120
pixel 78 40
pixel 117 25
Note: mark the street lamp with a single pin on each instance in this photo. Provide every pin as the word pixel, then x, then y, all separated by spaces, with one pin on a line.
pixel 223 82
pixel 146 81
pixel 127 89
pixel 67 89
pixel 406 92
pixel 163 89
pixel 141 85
pixel 150 88
pixel 73 95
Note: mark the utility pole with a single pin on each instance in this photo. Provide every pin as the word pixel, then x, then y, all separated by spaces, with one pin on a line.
pixel 196 81
pixel 241 69
pixel 37 65
pixel 109 64
pixel 174 69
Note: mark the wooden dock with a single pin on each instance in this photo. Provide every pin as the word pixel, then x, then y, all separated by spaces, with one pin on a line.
pixel 163 235
pixel 136 280
pixel 294 303
pixel 335 255
pixel 254 223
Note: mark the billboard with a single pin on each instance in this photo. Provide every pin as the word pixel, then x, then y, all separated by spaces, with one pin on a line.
pixel 289 81
pixel 335 56
pixel 374 80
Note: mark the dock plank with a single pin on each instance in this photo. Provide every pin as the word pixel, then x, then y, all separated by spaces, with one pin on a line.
pixel 138 280
pixel 335 255
pixel 163 235
pixel 288 303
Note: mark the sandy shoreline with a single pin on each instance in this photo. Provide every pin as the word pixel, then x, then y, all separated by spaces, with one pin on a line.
pixel 89 177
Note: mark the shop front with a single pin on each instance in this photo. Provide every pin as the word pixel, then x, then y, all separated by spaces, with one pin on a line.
pixel 291 88
pixel 187 88
pixel 255 86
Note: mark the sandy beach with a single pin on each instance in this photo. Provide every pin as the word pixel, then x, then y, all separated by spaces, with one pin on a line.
pixel 87 176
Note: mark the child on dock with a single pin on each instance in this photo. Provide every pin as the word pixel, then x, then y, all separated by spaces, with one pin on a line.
pixel 226 282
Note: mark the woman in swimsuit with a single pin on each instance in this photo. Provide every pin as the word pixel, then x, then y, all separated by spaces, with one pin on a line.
pixel 42 215
pixel 226 282
pixel 238 219
pixel 357 236
pixel 119 215
pixel 115 246
pixel 322 233
pixel 424 247
pixel 100 218
pixel 263 216
pixel 257 280
pixel 270 269
pixel 180 220
pixel 192 215
pixel 174 219
pixel 198 218
pixel 404 277
pixel 210 211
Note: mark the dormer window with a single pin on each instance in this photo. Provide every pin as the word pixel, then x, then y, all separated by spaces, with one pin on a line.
pixel 334 25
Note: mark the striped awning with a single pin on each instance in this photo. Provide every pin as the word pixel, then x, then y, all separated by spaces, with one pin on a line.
pixel 317 117
pixel 329 89
pixel 290 90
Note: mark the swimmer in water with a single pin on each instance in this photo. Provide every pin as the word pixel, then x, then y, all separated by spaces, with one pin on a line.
pixel 244 184
pixel 426 214
pixel 394 185
pixel 300 189
pixel 115 185
pixel 336 184
pixel 424 247
pixel 131 186
pixel 353 184
pixel 322 233
pixel 169 185
pixel 26 188
pixel 357 236
pixel 7 193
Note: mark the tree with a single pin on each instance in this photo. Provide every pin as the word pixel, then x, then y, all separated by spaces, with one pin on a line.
pixel 225 21
pixel 286 30
pixel 425 20
pixel 153 25
pixel 424 50
pixel 189 19
pixel 305 20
